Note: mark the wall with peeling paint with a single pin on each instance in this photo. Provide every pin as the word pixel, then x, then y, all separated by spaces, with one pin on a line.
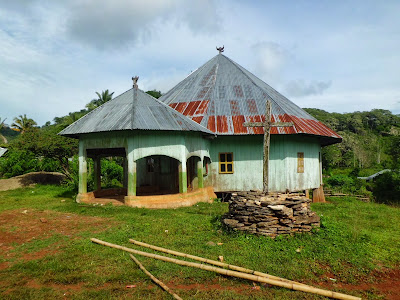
pixel 248 163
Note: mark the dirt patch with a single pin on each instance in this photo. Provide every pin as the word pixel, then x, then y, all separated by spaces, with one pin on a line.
pixel 19 227
pixel 385 283
pixel 31 179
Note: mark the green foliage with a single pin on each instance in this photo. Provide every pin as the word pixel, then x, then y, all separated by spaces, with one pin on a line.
pixel 156 94
pixel 47 144
pixel 112 173
pixel 18 163
pixel 386 188
pixel 102 98
pixel 23 123
pixel 367 138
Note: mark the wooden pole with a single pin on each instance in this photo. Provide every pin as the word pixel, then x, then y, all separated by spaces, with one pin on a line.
pixel 161 284
pixel 293 286
pixel 267 126
pixel 211 262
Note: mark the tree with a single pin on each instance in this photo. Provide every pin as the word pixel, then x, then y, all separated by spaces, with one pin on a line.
pixel 46 144
pixel 104 97
pixel 156 94
pixel 23 123
pixel 2 137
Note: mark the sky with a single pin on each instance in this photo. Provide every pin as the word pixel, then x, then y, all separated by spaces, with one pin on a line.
pixel 339 56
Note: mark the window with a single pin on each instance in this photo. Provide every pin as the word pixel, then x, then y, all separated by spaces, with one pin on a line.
pixel 226 163
pixel 300 162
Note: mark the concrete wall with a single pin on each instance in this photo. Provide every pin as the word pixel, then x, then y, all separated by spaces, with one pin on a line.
pixel 141 144
pixel 247 155
pixel 248 163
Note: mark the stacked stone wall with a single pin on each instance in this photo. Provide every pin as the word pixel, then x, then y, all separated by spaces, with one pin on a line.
pixel 271 215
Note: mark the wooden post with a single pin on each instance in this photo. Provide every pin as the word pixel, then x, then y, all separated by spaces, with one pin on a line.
pixel 267 124
pixel 318 194
pixel 97 173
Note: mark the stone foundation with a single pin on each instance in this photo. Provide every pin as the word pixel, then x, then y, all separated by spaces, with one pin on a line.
pixel 272 215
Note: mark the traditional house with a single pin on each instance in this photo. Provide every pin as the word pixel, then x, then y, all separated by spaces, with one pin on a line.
pixel 193 137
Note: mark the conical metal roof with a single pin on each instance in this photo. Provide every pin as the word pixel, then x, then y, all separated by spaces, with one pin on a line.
pixel 221 95
pixel 129 112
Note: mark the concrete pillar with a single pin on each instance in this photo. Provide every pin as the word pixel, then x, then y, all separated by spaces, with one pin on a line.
pixel 125 179
pixel 182 176
pixel 131 173
pixel 97 173
pixel 82 189
pixel 200 173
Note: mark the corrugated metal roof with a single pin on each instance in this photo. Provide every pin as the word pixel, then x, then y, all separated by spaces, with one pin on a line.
pixel 3 151
pixel 125 113
pixel 221 95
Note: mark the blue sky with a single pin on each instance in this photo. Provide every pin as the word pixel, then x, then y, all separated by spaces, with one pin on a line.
pixel 340 56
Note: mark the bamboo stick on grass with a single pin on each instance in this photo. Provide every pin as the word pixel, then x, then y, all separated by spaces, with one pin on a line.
pixel 292 286
pixel 212 262
pixel 161 284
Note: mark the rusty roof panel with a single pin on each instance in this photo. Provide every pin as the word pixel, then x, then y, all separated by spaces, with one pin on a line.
pixel 233 95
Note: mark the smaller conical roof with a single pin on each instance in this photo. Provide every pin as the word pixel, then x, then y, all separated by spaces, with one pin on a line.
pixel 126 112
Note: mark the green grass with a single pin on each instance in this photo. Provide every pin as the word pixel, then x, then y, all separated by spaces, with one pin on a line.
pixel 355 239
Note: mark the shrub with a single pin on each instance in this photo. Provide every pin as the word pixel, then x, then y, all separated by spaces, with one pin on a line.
pixel 386 188
pixel 17 163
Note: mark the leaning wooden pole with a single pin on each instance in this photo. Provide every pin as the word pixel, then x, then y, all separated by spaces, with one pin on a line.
pixel 293 286
pixel 211 262
pixel 161 284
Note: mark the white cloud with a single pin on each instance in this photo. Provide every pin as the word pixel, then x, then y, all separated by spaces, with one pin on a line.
pixel 299 88
pixel 270 60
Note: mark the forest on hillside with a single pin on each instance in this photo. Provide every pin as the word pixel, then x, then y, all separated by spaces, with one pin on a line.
pixel 371 143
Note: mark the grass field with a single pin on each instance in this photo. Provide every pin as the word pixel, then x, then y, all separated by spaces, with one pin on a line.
pixel 46 252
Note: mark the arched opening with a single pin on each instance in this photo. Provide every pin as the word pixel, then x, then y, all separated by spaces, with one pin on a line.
pixel 193 171
pixel 157 175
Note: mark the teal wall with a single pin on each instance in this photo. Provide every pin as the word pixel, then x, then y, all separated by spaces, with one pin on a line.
pixel 248 163
pixel 247 154
pixel 140 144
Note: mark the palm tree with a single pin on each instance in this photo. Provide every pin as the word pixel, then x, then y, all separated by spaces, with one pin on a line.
pixel 2 137
pixel 22 124
pixel 104 97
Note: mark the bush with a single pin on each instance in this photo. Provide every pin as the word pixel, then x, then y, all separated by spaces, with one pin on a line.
pixel 17 163
pixel 347 184
pixel 386 188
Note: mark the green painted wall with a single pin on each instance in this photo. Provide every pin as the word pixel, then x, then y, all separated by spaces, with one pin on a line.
pixel 248 156
pixel 141 144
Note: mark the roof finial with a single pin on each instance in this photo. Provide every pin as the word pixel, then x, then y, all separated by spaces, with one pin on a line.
pixel 220 49
pixel 135 80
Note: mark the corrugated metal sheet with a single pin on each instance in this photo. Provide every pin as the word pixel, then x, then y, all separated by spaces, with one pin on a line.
pixel 221 95
pixel 3 151
pixel 144 113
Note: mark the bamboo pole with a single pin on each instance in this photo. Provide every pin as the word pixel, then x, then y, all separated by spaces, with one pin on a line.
pixel 293 286
pixel 212 262
pixel 161 284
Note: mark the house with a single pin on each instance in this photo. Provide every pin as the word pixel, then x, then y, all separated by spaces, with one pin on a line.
pixel 193 137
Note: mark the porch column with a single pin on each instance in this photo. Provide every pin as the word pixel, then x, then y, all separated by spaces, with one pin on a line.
pixel 97 173
pixel 125 179
pixel 200 172
pixel 82 189
pixel 182 176
pixel 131 173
